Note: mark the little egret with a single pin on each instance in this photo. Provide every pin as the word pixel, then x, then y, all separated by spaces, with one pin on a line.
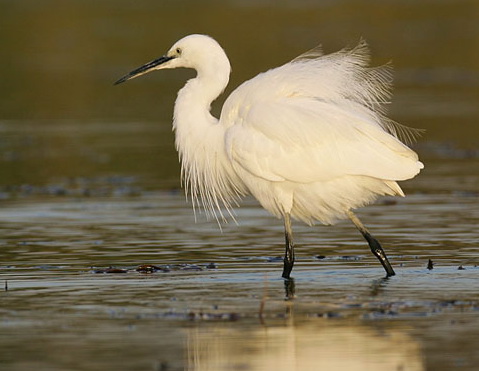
pixel 309 140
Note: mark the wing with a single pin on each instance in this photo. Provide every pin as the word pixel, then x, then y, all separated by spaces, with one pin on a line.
pixel 315 119
pixel 304 140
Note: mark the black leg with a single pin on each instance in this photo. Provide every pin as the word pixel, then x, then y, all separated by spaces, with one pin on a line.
pixel 374 244
pixel 289 253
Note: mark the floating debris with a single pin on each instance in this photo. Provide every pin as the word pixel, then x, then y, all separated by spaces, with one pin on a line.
pixel 110 270
pixel 151 268
pixel 188 267
pixel 148 268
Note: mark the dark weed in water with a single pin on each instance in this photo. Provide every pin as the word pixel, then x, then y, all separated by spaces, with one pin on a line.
pixel 150 268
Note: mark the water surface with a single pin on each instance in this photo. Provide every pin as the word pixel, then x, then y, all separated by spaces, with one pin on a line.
pixel 218 301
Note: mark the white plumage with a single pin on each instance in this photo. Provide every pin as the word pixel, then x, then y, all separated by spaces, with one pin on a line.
pixel 309 140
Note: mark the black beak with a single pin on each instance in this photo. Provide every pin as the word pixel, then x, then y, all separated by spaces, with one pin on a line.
pixel 144 69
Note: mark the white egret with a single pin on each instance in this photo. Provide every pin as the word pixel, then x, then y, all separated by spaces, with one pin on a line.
pixel 309 140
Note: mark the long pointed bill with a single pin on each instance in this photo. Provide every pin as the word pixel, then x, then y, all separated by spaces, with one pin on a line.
pixel 150 66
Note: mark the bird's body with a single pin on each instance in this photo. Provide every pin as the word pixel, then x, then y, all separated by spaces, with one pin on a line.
pixel 309 140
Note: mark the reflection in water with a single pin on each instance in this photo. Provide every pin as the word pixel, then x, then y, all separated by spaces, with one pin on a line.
pixel 326 346
pixel 289 288
pixel 378 285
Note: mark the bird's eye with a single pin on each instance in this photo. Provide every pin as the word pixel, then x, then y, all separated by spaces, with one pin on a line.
pixel 178 51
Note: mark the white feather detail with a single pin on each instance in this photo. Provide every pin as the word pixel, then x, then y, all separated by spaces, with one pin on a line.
pixel 310 138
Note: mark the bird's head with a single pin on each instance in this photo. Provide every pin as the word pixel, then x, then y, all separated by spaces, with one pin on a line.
pixel 199 52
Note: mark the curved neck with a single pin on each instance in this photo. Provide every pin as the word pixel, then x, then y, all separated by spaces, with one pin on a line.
pixel 193 123
pixel 200 142
pixel 192 115
pixel 198 93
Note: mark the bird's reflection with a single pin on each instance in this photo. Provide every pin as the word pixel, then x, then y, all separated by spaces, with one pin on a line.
pixel 314 345
pixel 378 285
pixel 289 288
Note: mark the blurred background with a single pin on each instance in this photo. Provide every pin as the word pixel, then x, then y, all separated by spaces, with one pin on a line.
pixel 89 178
pixel 62 120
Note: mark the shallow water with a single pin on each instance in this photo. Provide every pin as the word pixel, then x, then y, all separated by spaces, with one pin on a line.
pixel 218 301
pixel 89 193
